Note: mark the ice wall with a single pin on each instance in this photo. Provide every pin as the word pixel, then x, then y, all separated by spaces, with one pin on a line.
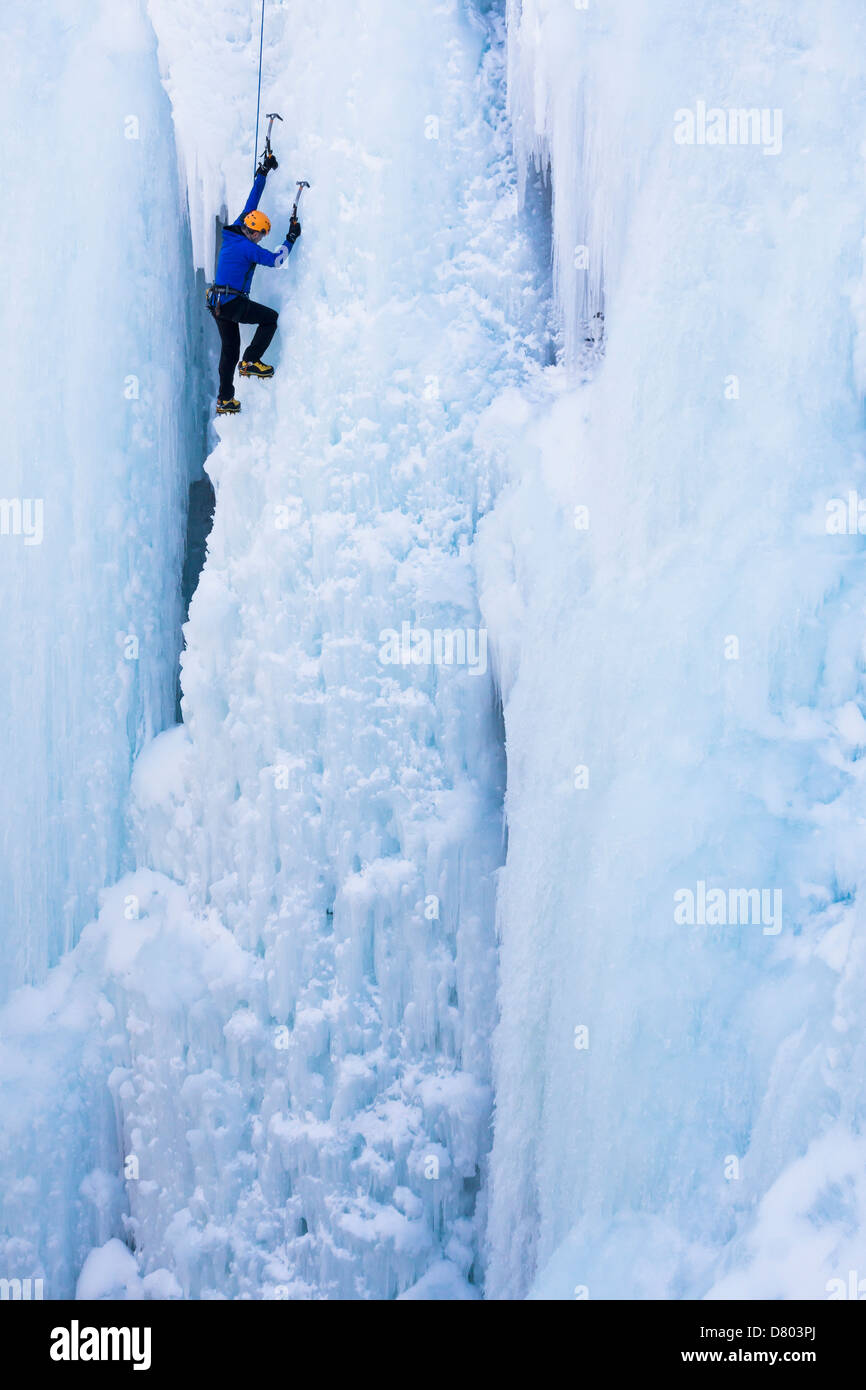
pixel 679 641
pixel 103 429
pixel 99 426
pixel 342 815
pixel 279 1027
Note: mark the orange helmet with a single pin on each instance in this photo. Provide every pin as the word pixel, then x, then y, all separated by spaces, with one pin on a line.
pixel 257 222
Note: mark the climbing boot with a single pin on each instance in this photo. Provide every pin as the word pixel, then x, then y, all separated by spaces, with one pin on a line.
pixel 255 369
pixel 229 407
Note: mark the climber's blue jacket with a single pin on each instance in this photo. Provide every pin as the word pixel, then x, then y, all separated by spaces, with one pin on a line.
pixel 239 256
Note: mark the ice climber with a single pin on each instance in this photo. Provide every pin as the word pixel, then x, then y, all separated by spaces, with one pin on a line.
pixel 228 298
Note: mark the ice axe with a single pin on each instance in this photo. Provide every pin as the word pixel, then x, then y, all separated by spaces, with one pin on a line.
pixel 302 184
pixel 271 116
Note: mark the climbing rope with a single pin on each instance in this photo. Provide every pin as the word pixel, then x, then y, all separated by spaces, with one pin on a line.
pixel 259 97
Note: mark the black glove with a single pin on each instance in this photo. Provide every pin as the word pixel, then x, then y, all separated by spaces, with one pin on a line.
pixel 294 231
pixel 268 163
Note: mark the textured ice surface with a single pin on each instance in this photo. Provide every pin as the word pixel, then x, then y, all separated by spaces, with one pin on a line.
pixel 100 422
pixel 683 680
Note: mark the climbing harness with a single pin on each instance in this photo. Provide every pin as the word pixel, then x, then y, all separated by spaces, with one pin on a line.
pixel 214 291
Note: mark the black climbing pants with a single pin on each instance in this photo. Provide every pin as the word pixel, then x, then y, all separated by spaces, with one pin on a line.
pixel 242 310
